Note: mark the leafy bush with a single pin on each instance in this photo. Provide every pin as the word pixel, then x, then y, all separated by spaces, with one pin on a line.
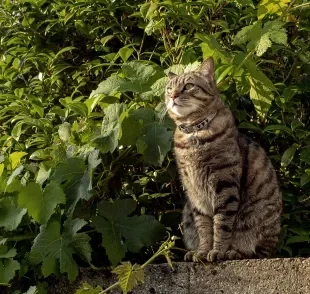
pixel 87 172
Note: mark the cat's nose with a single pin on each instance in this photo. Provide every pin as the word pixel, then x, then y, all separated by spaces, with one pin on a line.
pixel 174 95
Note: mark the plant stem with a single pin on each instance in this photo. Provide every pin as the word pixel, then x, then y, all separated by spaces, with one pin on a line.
pixel 301 6
pixel 110 288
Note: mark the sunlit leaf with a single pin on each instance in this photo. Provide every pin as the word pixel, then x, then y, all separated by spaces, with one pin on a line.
pixel 271 6
pixel 129 275
pixel 15 158
pixel 88 289
pixel 261 97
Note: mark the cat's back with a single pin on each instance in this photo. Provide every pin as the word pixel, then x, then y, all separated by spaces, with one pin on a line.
pixel 260 197
pixel 258 171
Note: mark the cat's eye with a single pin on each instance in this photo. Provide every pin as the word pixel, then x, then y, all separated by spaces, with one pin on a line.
pixel 188 86
pixel 169 90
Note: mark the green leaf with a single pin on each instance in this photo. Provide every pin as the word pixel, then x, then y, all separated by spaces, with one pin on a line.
pixel 106 39
pixel 305 155
pixel 139 76
pixel 211 47
pixel 111 239
pixel 43 174
pixel 262 45
pixel 79 108
pixel 131 129
pixel 15 158
pixel 297 239
pixel 288 155
pixel 260 39
pixel 93 160
pixel 134 125
pixel 278 128
pixel 271 7
pixel 10 214
pixel 222 71
pixel 14 174
pixel 158 87
pixel 141 231
pixel 64 131
pixel 82 27
pixel 147 9
pixel 249 126
pixel 1 168
pixel 290 92
pixel 136 77
pixel 8 267
pixel 261 97
pixel 40 154
pixel 110 86
pixel 51 244
pixel 88 289
pixel 154 26
pixel 125 53
pixel 305 179
pixel 247 33
pixel 63 50
pixel 110 128
pixel 41 205
pixel 275 31
pixel 129 276
pixel 7 253
pixel 121 232
pixel 296 124
pixel 254 70
pixel 49 266
pixel 155 144
pixel 76 181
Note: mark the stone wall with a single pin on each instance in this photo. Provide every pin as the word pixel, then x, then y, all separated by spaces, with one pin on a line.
pixel 269 276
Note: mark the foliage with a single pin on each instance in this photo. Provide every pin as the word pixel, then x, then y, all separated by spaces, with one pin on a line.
pixel 87 174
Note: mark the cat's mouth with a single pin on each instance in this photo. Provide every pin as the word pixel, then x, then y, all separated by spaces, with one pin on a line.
pixel 176 104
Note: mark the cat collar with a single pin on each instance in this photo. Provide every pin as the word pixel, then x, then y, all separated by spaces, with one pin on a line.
pixel 187 129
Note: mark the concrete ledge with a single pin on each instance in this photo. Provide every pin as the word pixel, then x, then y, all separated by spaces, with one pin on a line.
pixel 276 276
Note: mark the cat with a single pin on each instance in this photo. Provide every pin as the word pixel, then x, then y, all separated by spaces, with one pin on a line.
pixel 234 203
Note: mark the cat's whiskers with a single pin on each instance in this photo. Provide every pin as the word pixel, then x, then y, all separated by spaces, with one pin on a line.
pixel 162 114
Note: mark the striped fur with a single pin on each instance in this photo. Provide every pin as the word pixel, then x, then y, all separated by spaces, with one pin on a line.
pixel 234 203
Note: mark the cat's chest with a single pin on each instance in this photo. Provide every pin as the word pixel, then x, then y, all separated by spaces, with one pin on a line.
pixel 195 177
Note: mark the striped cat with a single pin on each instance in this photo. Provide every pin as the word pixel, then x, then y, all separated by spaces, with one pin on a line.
pixel 234 203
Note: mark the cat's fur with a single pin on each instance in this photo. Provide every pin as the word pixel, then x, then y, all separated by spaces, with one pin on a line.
pixel 234 203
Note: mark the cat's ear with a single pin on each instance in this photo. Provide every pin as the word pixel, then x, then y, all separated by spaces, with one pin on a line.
pixel 207 68
pixel 171 75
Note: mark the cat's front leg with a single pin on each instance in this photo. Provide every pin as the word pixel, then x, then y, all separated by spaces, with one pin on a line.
pixel 203 225
pixel 226 204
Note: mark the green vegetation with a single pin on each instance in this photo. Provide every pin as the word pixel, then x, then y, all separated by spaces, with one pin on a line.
pixel 87 176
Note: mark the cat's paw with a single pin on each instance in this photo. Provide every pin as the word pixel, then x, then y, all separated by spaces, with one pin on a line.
pixel 196 256
pixel 215 255
pixel 232 255
pixel 200 256
pixel 189 256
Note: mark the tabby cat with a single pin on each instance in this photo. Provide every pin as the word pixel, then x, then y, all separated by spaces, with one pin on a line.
pixel 233 199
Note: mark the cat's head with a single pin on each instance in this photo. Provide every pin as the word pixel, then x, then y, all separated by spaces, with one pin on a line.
pixel 191 95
